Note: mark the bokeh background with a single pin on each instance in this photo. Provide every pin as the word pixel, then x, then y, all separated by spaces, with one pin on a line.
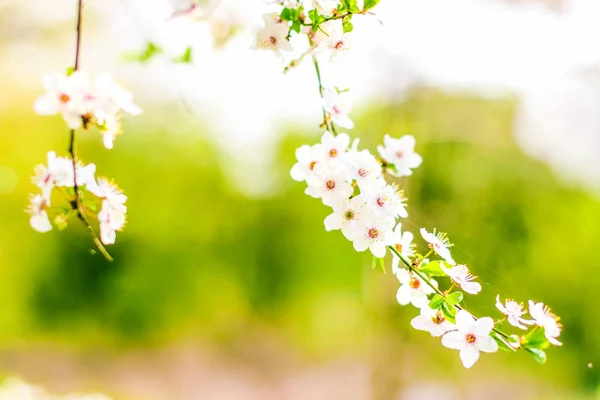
pixel 225 284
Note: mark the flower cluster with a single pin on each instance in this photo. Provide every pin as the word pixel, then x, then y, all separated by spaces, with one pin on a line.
pixel 364 206
pixel 58 174
pixel 84 103
pixel 366 209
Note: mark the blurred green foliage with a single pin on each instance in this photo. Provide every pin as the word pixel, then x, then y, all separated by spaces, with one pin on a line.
pixel 200 259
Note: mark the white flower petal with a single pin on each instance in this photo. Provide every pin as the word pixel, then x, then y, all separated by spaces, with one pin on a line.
pixel 487 344
pixel 454 340
pixel 469 356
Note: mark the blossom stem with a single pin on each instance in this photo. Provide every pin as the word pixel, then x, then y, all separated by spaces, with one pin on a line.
pixel 77 203
pixel 326 119
pixel 438 291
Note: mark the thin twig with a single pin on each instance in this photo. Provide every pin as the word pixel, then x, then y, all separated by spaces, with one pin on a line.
pixel 77 203
pixel 326 118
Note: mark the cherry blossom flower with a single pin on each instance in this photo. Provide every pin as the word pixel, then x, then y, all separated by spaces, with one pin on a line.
pixel 38 216
pixel 59 173
pixel 402 242
pixel 325 7
pixel 273 36
pixel 514 312
pixel 362 167
pixel 329 185
pixel 110 128
pixel 384 199
pixel 546 319
pixel 111 220
pixel 111 193
pixel 333 148
pixel 337 43
pixel 400 153
pixel 345 216
pixel 338 105
pixel 432 321
pixel 439 243
pixel 109 97
pixel 66 95
pixel 471 337
pixel 372 233
pixel 413 289
pixel 462 277
pixel 308 157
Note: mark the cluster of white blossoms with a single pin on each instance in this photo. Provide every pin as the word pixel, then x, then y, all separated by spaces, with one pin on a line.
pixel 84 103
pixel 366 208
pixel 16 389
pixel 58 174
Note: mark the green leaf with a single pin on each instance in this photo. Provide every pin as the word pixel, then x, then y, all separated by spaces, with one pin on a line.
pixel 503 344
pixel 454 298
pixel 370 4
pixel 538 355
pixel 433 268
pixel 296 26
pixel 351 6
pixel 515 341
pixel 436 301
pixel 286 14
pixel 347 26
pixel 536 339
pixel 150 51
pixel 449 312
pixel 70 70
pixel 186 57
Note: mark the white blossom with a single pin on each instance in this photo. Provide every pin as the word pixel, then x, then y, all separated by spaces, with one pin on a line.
pixel 514 312
pixel 329 185
pixel 362 167
pixel 413 289
pixel 345 216
pixel 432 321
pixel 372 233
pixel 308 157
pixel 59 173
pixel 326 7
pixel 471 337
pixel 546 319
pixel 38 216
pixel 400 153
pixel 273 36
pixel 338 105
pixel 402 243
pixel 384 199
pixel 439 243
pixel 110 98
pixel 462 277
pixel 111 220
pixel 333 148
pixel 67 95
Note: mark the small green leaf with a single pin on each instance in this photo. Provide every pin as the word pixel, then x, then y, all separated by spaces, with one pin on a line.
pixel 70 70
pixel 347 26
pixel 186 57
pixel 515 341
pixel 370 4
pixel 454 298
pixel 351 6
pixel 433 268
pixel 536 339
pixel 503 344
pixel 150 51
pixel 296 26
pixel 436 301
pixel 286 14
pixel 538 355
pixel 449 312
